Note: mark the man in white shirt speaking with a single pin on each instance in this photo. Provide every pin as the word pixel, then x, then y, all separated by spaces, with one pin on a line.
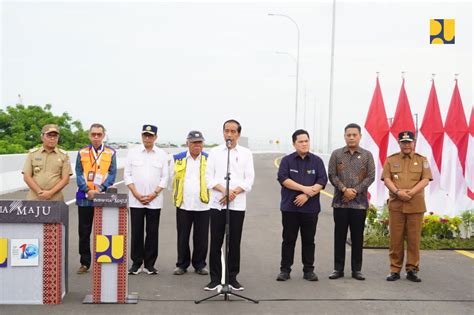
pixel 191 198
pixel 146 175
pixel 241 180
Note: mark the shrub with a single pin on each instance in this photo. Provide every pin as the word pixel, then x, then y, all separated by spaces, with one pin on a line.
pixel 437 231
pixel 467 218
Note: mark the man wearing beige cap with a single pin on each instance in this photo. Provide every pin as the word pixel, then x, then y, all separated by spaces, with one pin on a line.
pixel 191 198
pixel 47 168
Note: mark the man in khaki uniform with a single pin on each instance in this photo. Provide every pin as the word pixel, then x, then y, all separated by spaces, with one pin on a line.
pixel 406 174
pixel 47 168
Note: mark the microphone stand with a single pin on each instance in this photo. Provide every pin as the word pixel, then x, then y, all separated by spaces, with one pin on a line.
pixel 226 288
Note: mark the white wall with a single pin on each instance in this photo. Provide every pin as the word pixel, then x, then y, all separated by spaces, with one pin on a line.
pixel 11 165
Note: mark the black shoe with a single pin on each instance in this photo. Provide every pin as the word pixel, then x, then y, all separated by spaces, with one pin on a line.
pixel 283 276
pixel 235 285
pixel 179 271
pixel 358 275
pixel 134 270
pixel 412 276
pixel 336 275
pixel 150 270
pixel 202 271
pixel 393 276
pixel 310 276
pixel 213 285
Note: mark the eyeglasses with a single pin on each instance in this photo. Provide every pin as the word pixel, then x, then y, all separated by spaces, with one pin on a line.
pixel 51 135
pixel 96 134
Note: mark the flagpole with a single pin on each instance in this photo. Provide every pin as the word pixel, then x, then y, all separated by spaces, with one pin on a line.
pixel 314 125
pixel 416 125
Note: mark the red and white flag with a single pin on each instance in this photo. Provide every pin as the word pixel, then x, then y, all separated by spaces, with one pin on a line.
pixel 470 158
pixel 375 140
pixel 402 121
pixel 454 154
pixel 430 144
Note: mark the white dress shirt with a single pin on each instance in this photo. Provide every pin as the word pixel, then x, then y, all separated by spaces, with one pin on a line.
pixel 192 184
pixel 148 171
pixel 241 170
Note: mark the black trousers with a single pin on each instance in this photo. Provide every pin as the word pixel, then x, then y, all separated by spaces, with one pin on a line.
pixel 354 219
pixel 292 223
pixel 199 221
pixel 86 218
pixel 144 252
pixel 236 221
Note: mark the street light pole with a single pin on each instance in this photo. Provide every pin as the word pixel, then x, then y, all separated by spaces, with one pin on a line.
pixel 297 63
pixel 331 82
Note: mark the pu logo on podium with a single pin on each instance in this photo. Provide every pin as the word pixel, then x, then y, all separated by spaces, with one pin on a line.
pixel 442 31
pixel 25 252
pixel 109 248
pixel 3 252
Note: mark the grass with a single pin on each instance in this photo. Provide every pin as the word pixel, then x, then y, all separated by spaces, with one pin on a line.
pixel 427 243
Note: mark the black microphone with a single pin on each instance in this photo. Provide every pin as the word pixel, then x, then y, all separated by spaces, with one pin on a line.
pixel 228 142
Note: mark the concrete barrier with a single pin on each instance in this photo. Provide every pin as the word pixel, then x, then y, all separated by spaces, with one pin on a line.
pixel 11 165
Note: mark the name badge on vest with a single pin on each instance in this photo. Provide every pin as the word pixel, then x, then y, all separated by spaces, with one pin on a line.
pixel 90 176
pixel 98 179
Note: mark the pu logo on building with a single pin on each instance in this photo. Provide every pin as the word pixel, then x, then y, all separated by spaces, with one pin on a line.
pixel 109 248
pixel 3 252
pixel 442 31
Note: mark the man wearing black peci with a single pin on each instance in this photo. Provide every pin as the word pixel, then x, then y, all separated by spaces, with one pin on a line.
pixel 241 180
pixel 146 175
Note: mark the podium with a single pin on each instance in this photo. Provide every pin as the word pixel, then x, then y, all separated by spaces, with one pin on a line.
pixel 109 255
pixel 33 251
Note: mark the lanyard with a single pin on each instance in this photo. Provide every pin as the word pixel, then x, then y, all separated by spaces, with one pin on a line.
pixel 96 157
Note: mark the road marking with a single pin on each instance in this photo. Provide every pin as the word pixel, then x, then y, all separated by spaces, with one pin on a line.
pixel 70 202
pixel 277 165
pixel 277 161
pixel 465 253
pixel 327 194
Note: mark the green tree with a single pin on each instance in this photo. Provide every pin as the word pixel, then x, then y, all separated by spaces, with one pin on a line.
pixel 20 128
